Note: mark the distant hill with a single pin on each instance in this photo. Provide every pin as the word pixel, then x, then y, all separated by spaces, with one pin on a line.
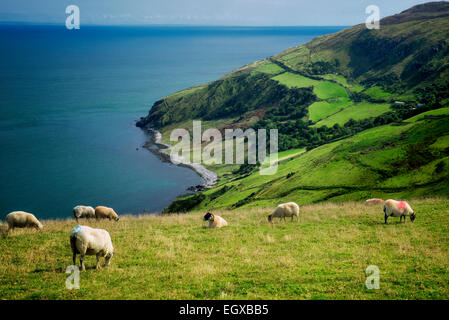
pixel 325 94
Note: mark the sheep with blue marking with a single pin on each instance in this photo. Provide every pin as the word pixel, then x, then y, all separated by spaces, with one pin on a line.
pixel 85 240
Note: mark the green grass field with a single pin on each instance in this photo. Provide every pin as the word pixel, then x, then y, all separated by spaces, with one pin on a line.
pixel 432 113
pixel 328 90
pixel 269 68
pixel 337 78
pixel 356 112
pixel 174 257
pixel 323 89
pixel 293 80
pixel 378 93
pixel 321 109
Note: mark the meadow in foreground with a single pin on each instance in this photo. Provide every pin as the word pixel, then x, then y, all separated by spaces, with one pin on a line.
pixel 174 257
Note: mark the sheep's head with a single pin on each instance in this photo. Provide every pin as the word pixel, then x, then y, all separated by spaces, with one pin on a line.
pixel 39 226
pixel 116 217
pixel 270 218
pixel 412 217
pixel 108 258
pixel 208 216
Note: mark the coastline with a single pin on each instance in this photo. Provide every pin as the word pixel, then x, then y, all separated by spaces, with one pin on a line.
pixel 163 152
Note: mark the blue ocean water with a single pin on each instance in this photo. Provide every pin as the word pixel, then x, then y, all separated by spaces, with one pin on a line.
pixel 69 100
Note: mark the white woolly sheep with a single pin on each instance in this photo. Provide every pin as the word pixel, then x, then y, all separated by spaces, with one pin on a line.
pixel 85 240
pixel 106 213
pixel 214 221
pixel 393 208
pixel 83 212
pixel 21 219
pixel 289 209
pixel 373 201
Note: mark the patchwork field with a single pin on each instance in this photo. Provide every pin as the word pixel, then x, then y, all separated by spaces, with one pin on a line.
pixel 322 109
pixel 174 257
pixel 322 89
pixel 357 111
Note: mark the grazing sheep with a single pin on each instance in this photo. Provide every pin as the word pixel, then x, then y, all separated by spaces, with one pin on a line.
pixel 393 208
pixel 21 219
pixel 374 201
pixel 214 221
pixel 106 213
pixel 89 241
pixel 289 209
pixel 83 212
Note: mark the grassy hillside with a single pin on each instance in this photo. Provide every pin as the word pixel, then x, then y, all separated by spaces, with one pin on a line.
pixel 407 57
pixel 368 106
pixel 400 160
pixel 175 257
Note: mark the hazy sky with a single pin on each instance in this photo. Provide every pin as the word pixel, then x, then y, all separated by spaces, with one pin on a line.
pixel 202 12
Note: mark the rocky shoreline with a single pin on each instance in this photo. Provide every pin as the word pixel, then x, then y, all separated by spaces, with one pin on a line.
pixel 163 152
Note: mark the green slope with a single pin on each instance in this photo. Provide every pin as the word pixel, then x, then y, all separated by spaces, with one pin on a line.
pixel 410 159
pixel 323 96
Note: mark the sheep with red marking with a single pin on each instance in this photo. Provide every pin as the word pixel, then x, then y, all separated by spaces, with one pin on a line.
pixel 374 201
pixel 289 209
pixel 402 209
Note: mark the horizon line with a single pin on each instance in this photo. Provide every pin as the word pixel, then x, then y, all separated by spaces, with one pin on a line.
pixel 163 25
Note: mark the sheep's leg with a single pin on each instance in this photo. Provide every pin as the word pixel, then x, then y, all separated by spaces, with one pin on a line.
pixel 405 217
pixel 98 267
pixel 83 267
pixel 386 219
pixel 74 258
pixel 400 219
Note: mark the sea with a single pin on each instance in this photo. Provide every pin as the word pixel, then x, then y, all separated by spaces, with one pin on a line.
pixel 69 100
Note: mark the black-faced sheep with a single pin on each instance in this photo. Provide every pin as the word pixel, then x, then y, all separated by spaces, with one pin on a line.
pixel 393 208
pixel 21 219
pixel 106 213
pixel 83 212
pixel 85 240
pixel 214 221
pixel 289 209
